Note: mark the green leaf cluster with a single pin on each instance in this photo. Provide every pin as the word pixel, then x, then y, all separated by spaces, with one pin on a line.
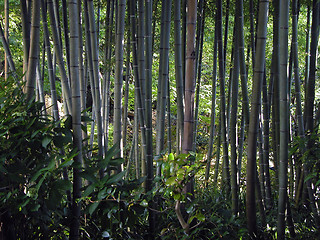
pixel 178 171
pixel 115 207
pixel 32 161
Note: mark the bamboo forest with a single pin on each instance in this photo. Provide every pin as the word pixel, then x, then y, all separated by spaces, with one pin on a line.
pixel 172 119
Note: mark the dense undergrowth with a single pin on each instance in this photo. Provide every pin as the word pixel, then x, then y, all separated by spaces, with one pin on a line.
pixel 36 161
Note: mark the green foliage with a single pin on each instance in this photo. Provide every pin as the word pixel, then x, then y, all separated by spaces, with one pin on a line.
pixel 118 211
pixel 32 192
pixel 214 219
pixel 113 207
pixel 177 172
pixel 35 153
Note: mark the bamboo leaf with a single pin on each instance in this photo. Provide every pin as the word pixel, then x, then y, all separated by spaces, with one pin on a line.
pixel 200 217
pixel 102 194
pixel 116 161
pixel 110 153
pixel 309 177
pixel 89 176
pixel 86 119
pixel 63 184
pixel 66 163
pixel 35 177
pixel 45 141
pixel 60 141
pixel 41 181
pixel 88 190
pixel 68 122
pixel 93 207
pixel 116 178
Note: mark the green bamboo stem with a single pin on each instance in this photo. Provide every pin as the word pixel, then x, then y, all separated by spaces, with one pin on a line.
pixel 224 142
pixel 199 48
pixel 241 147
pixel 25 33
pixel 259 66
pixel 148 105
pixel 117 120
pixel 184 39
pixel 59 57
pixel 142 72
pixel 34 51
pixel 76 116
pixel 8 54
pixel 178 72
pixel 96 78
pixel 55 110
pixel 310 89
pixel 140 117
pixel 284 118
pixel 217 158
pixel 107 74
pixel 276 86
pixel 261 161
pixel 307 59
pixel 65 28
pixel 213 110
pixel 243 70
pixel 6 35
pixel 233 125
pixel 164 76
pixel 266 144
pixel 90 74
pixel 159 86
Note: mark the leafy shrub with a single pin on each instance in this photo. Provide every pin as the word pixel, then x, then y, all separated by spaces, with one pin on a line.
pixel 36 159
pixel 32 191
pixel 113 208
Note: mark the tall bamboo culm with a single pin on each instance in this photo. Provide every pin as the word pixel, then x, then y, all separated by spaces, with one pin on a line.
pixel 34 51
pixel 76 116
pixel 258 75
pixel 117 136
